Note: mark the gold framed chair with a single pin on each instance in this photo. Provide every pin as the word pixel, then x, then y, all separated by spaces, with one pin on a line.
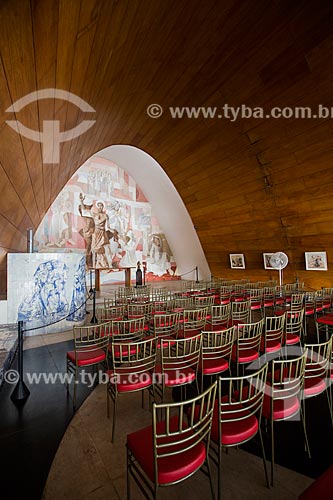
pixel 110 313
pixel 193 322
pixel 173 448
pixel 283 396
pixel 216 352
pixel 179 362
pixel 130 373
pixel 272 337
pixel 240 312
pixel 219 316
pixel 247 343
pixel 237 415
pixel 90 349
pixel 317 372
pixel 165 326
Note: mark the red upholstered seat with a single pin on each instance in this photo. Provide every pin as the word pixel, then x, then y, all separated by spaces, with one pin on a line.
pixel 131 381
pixel 244 355
pixel 271 345
pixel 124 352
pixel 170 469
pixel 282 408
pixel 320 489
pixel 292 338
pixel 237 432
pixel 326 320
pixel 214 365
pixel 314 386
pixel 87 358
pixel 175 377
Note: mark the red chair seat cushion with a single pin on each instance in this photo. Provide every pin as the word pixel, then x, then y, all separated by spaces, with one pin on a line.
pixel 271 345
pixel 292 338
pixel 321 488
pixel 177 376
pixel 244 355
pixel 127 382
pixel 170 469
pixel 214 365
pixel 237 432
pixel 124 350
pixel 87 358
pixel 313 386
pixel 282 408
pixel 326 320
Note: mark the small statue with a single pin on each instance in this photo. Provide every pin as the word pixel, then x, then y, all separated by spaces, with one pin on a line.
pixel 138 275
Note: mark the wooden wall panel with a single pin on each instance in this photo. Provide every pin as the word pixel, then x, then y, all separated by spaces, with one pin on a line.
pixel 250 186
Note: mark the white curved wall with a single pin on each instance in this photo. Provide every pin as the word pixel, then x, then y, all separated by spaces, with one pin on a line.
pixel 167 205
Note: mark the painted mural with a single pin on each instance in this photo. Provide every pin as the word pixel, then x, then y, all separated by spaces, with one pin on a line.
pixel 46 290
pixel 103 211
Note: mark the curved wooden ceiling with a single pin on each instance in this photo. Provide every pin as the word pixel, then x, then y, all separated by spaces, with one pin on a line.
pixel 251 186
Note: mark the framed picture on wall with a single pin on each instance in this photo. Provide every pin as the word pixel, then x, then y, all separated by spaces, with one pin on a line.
pixel 315 261
pixel 237 261
pixel 267 260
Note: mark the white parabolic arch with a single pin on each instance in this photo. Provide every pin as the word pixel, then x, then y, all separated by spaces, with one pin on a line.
pixel 167 205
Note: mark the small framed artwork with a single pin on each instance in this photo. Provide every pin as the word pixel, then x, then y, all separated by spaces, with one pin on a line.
pixel 237 261
pixel 315 261
pixel 267 261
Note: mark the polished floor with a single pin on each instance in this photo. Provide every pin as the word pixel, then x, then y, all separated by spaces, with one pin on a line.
pixel 86 466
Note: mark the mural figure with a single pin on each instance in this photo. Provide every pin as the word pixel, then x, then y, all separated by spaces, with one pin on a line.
pixel 116 232
pixel 158 255
pixel 99 236
pixel 48 301
pixel 77 311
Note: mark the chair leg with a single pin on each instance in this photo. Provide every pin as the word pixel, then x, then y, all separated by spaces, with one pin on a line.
pixel 210 478
pixel 272 452
pixel 128 475
pixel 114 419
pixel 263 456
pixel 75 389
pixel 219 464
pixel 302 411
pixel 328 395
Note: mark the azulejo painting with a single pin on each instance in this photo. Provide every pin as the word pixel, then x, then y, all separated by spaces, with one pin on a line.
pixel 46 290
pixel 103 211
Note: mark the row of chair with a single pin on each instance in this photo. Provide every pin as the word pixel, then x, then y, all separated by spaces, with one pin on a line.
pixel 192 431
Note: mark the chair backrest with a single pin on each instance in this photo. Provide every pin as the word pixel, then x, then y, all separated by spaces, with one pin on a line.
pixel 109 302
pixel 294 322
pixel 91 338
pixel 174 435
pixel 139 309
pixel 241 397
pixel 195 319
pixel 240 311
pixel 133 358
pixel 249 335
pixel 129 329
pixel 287 379
pixel 200 301
pixel 183 302
pixel 111 313
pixel 220 315
pixel 274 328
pixel 218 344
pixel 180 354
pixel 318 359
pixel 166 324
pixel 225 294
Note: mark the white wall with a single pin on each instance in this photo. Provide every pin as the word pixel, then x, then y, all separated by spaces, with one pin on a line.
pixel 167 205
